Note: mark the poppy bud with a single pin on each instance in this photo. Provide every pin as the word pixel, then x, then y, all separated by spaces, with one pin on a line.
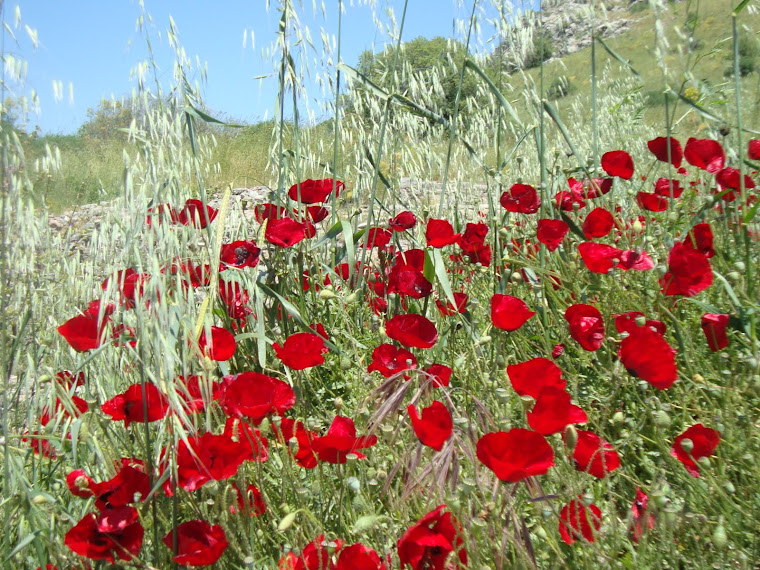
pixel 733 276
pixel 687 445
pixel 338 403
pixel 326 294
pixel 740 267
pixel 661 419
pixel 704 462
pixel 503 232
pixel 719 538
pixel 516 277
pixel 618 417
pixel 728 486
pixel 571 437
pixel 286 522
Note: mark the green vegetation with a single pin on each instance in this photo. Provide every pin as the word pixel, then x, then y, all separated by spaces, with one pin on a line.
pixel 252 375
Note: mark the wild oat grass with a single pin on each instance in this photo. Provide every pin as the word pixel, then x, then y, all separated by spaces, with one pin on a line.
pixel 383 132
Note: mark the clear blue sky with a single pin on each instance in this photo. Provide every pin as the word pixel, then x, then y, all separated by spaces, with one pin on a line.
pixel 91 46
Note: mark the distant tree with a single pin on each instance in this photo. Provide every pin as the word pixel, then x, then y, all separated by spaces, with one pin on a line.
pixel 104 121
pixel 424 57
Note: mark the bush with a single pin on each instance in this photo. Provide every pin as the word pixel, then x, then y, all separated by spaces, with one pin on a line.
pixel 542 50
pixel 560 87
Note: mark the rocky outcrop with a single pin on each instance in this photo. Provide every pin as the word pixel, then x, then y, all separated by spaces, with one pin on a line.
pixel 569 22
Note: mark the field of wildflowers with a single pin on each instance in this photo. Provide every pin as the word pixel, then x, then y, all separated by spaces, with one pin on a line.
pixel 555 366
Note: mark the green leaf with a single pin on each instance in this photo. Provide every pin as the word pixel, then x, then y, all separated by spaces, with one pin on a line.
pixel 261 339
pixel 205 117
pixel 417 109
pixel 23 543
pixel 350 249
pixel 443 277
pixel 495 90
pixel 571 224
pixel 701 110
pixel 552 112
pixel 354 75
pixel 740 7
pixel 293 312
pixel 729 291
pixel 614 54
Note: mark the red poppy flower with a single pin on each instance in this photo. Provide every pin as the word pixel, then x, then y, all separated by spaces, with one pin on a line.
pixel 659 148
pixel 403 221
pixel 160 214
pixel 706 154
pixel 593 189
pixel 315 191
pixel 359 557
pixel 221 347
pixel 240 254
pixel 340 441
pixel 81 485
pixel 76 408
pixel 595 455
pixel 317 213
pixel 252 502
pixel 414 331
pixel 198 543
pixel 195 395
pixel 576 521
pixel 130 283
pixel 447 309
pixel 598 257
pixel 567 200
pixel 703 440
pixel 314 556
pixel 667 188
pixel 440 233
pixel 551 232
pixel 84 332
pixel 598 223
pixel 509 313
pixel 284 232
pixel 378 237
pixel 651 202
pixel 700 238
pixel 515 454
pixel 642 518
pixel 553 411
pixel 69 380
pixel 714 327
pixel 626 322
pixel 586 326
pixel 529 378
pixel 113 533
pixel 234 298
pixel 290 430
pixel 441 374
pixel 521 199
pixel 647 355
pixel 268 211
pixel 434 427
pixel 731 178
pixel 389 360
pixel 130 406
pixel 472 243
pixel 301 350
pixel 255 396
pixel 618 163
pixel 195 214
pixel 427 544
pixel 409 282
pixel 688 273
pixel 211 457
pixel 753 149
pixel 635 260
pixel 197 275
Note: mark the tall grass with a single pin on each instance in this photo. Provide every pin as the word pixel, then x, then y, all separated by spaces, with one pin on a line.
pixel 389 140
